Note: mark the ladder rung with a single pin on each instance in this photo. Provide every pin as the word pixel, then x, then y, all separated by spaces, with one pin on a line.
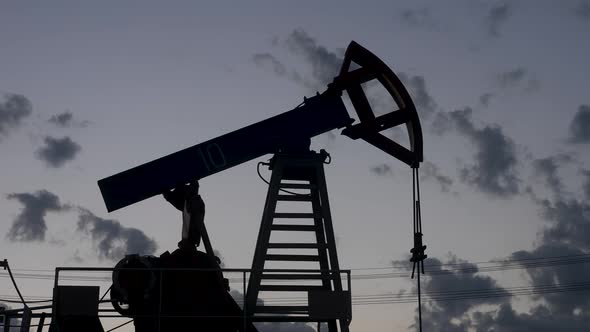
pixel 289 288
pixel 296 215
pixel 286 245
pixel 291 276
pixel 298 186
pixel 298 228
pixel 294 198
pixel 293 258
pixel 292 309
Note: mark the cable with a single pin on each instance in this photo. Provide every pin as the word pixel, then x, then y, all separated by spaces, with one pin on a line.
pixel 507 260
pixel 502 262
pixel 7 267
pixel 514 264
pixel 268 183
pixel 418 255
pixel 452 294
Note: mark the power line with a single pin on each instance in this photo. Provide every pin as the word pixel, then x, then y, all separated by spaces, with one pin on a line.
pixel 451 295
pixel 515 264
pixel 493 261
pixel 433 296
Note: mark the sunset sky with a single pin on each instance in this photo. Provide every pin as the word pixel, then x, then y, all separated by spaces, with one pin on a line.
pixel 502 88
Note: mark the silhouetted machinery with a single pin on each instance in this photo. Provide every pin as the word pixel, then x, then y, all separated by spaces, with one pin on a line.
pixel 162 297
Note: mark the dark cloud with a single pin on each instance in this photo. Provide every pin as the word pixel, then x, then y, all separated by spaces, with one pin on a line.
pixel 418 17
pixel 439 314
pixel 582 10
pixel 13 109
pixel 547 168
pixel 57 151
pixel 267 59
pixel 416 85
pixel 560 303
pixel 586 185
pixel 63 119
pixel 441 123
pixel 496 17
pixel 570 222
pixel 382 169
pixel 567 235
pixel 540 318
pixel 270 62
pixel 485 98
pixel 558 311
pixel 494 171
pixel 429 171
pixel 580 126
pixel 113 241
pixel 325 64
pixel 511 77
pixel 30 224
pixel 518 78
pixel 66 120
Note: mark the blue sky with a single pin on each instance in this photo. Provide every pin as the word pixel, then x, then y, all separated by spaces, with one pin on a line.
pixel 89 90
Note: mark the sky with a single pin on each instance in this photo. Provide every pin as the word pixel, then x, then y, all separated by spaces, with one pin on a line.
pixel 90 89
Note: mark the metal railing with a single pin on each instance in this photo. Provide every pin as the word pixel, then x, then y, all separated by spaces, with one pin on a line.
pixel 234 276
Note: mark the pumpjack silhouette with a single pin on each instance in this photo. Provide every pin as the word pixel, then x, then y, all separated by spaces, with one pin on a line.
pixel 185 290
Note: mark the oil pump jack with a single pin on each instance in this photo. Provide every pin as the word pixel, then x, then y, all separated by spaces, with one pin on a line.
pixel 137 291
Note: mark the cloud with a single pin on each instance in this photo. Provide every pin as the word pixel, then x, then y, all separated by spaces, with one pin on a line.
pixel 540 318
pixel 325 65
pixel 63 119
pixel 442 315
pixel 382 169
pixel 66 120
pixel 113 241
pixel 517 78
pixel 57 151
pixel 30 224
pixel 267 59
pixel 496 17
pixel 566 236
pixel 13 109
pixel 416 85
pixel 485 98
pixel 570 222
pixel 586 185
pixel 547 168
pixel 417 17
pixel 580 126
pixel 557 311
pixel 494 171
pixel 561 303
pixel 270 62
pixel 582 10
pixel 430 171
